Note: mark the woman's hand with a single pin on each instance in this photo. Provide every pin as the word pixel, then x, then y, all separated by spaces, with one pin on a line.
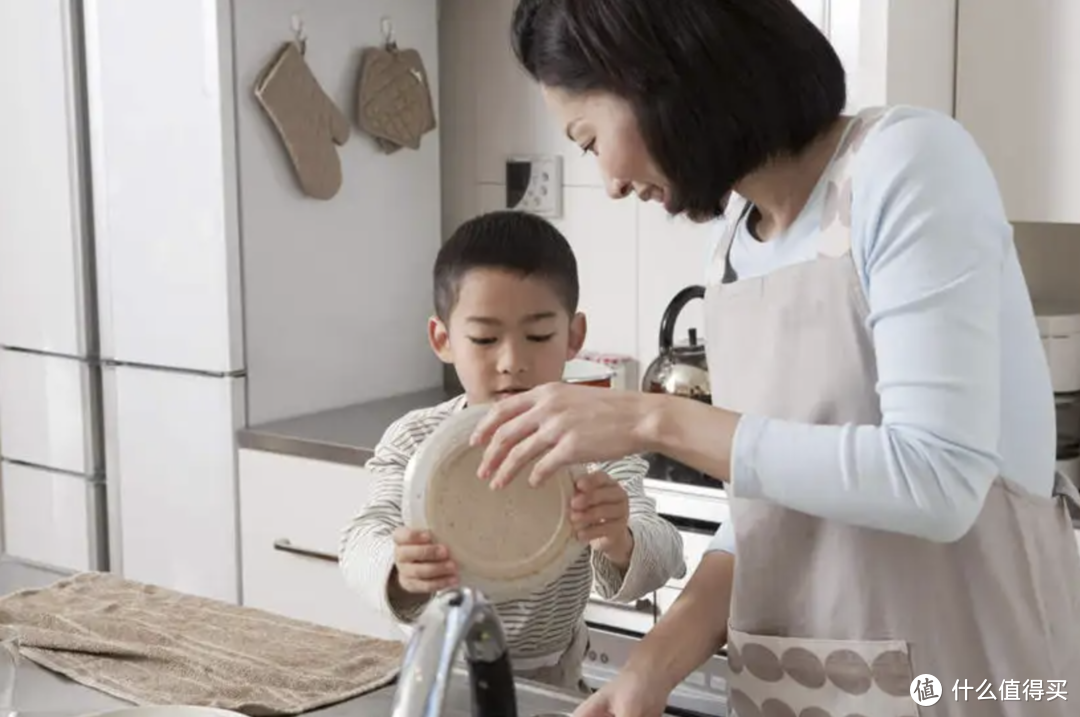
pixel 600 514
pixel 560 424
pixel 630 694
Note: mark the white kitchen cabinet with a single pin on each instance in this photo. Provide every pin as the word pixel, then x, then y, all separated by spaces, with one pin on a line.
pixel 817 11
pixel 41 238
pixel 1018 93
pixel 45 416
pixel 171 455
pixel 292 513
pixel 49 517
pixel 894 51
pixel 162 138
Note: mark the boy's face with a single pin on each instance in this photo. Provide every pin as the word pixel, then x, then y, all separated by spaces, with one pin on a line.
pixel 506 334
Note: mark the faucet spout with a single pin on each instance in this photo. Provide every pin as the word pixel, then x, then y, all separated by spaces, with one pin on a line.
pixel 456 618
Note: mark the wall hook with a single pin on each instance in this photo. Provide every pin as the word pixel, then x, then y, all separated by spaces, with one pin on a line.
pixel 387 26
pixel 299 33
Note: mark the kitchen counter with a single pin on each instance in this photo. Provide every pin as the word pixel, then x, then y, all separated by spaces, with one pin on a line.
pixel 41 693
pixel 343 435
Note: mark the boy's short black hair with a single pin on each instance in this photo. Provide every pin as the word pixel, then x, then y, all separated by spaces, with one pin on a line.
pixel 718 87
pixel 513 241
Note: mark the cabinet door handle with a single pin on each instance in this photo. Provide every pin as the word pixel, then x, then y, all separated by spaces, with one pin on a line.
pixel 644 606
pixel 286 546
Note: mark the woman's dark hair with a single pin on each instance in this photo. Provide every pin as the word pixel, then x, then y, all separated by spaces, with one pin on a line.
pixel 719 87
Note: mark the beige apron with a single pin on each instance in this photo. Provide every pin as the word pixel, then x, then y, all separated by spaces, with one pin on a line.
pixel 829 619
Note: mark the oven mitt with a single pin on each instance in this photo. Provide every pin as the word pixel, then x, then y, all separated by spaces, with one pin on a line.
pixel 393 102
pixel 309 123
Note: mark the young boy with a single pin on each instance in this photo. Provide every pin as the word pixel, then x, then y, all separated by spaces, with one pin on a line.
pixel 506 294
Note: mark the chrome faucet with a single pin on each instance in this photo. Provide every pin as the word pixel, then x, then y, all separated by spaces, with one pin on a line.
pixel 454 618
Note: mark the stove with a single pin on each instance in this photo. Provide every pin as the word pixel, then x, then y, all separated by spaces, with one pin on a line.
pixel 696 505
pixel 662 468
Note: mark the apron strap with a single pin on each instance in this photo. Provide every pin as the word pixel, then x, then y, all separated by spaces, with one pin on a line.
pixel 727 238
pixel 837 171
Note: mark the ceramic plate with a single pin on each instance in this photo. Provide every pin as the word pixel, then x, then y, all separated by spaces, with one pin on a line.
pixel 167 711
pixel 507 543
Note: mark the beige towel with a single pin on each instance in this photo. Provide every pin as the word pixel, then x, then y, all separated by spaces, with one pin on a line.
pixel 149 645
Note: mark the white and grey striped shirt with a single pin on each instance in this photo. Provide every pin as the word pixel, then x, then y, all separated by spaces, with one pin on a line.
pixel 543 624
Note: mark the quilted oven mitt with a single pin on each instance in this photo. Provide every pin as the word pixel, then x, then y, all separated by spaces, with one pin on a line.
pixel 394 102
pixel 308 122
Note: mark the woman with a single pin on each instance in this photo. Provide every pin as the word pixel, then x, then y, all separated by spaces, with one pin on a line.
pixel 883 419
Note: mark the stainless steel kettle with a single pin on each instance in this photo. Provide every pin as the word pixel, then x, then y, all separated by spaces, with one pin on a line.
pixel 679 370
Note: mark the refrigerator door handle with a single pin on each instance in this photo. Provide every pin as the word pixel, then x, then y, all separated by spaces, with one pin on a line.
pixel 285 545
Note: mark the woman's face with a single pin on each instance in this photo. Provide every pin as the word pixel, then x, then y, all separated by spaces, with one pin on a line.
pixel 604 125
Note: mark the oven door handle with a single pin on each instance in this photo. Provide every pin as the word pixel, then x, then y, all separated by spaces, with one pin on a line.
pixel 642 606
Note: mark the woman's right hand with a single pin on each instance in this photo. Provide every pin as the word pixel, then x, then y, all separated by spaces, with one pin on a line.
pixel 630 694
pixel 688 634
pixel 422 566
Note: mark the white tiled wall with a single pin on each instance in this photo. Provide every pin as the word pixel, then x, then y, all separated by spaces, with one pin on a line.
pixel 632 258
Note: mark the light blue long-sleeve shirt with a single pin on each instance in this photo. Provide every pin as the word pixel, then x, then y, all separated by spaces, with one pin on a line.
pixel 962 377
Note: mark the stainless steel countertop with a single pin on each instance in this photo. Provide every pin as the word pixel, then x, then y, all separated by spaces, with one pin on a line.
pixel 41 693
pixel 344 435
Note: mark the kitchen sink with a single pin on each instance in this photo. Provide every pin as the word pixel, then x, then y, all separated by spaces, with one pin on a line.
pixel 533 699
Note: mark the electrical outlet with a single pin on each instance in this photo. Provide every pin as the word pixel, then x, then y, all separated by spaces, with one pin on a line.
pixel 534 184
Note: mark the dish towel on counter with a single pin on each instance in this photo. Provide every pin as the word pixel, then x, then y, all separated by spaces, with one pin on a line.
pixel 153 646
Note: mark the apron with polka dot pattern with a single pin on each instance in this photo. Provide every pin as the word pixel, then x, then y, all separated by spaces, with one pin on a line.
pixel 833 620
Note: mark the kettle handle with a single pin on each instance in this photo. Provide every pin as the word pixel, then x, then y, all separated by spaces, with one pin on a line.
pixel 671 314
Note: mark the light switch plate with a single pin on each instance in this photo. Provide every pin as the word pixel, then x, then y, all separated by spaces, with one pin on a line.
pixel 534 184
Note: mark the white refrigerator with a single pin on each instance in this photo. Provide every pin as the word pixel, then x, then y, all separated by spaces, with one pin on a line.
pixel 122 364
pixel 134 156
pixel 52 473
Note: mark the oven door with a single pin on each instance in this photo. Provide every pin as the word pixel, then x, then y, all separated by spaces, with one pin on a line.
pixel 707 507
pixel 702 694
pixel 634 618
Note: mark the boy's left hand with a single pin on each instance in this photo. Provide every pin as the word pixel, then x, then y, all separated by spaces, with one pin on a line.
pixel 600 513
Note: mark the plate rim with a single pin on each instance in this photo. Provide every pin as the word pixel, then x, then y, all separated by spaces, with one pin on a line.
pixel 414 514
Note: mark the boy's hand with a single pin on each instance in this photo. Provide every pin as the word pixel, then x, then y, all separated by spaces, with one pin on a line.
pixel 599 512
pixel 422 566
